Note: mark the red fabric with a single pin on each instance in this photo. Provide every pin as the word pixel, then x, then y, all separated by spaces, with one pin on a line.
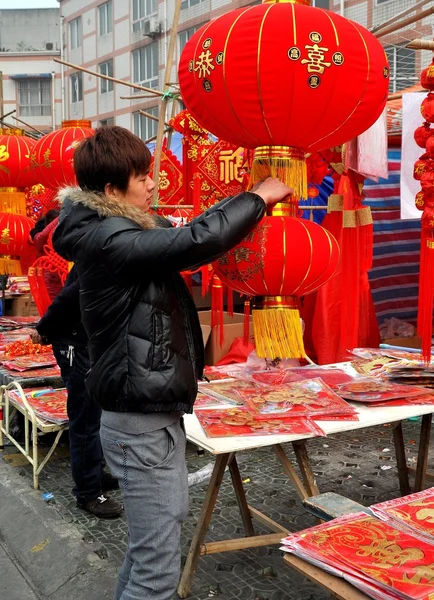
pixel 41 238
pixel 53 156
pixel 238 352
pixel 15 151
pixel 235 70
pixel 14 233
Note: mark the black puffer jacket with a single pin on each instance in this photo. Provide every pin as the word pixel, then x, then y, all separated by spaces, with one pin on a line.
pixel 145 341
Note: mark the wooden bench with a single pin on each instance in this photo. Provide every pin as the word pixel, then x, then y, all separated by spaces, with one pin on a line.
pixel 39 427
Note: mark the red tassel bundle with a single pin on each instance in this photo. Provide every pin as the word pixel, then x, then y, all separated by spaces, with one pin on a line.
pixel 217 311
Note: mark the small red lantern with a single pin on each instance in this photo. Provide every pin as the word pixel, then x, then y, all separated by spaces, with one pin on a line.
pixel 422 165
pixel 15 151
pixel 53 155
pixel 14 234
pixel 422 134
pixel 427 108
pixel 427 181
pixel 427 77
pixel 419 201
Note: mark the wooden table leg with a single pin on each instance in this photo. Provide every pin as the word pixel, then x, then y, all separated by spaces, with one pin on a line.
pixel 305 468
pixel 241 496
pixel 422 456
pixel 401 460
pixel 290 471
pixel 202 524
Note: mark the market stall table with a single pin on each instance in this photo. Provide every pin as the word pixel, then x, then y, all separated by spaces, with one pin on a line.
pixel 226 448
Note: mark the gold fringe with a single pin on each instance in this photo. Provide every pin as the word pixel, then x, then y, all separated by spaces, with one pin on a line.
pixel 278 333
pixel 335 203
pixel 364 216
pixel 349 218
pixel 284 163
pixel 13 203
pixel 10 266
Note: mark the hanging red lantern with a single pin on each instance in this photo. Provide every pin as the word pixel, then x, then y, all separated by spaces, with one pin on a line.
pixel 53 155
pixel 423 164
pixel 235 71
pixel 419 201
pixel 427 181
pixel 422 134
pixel 427 108
pixel 427 77
pixel 14 234
pixel 259 266
pixel 15 151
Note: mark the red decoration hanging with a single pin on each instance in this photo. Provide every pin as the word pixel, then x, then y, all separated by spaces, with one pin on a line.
pixel 427 77
pixel 15 150
pixel 14 233
pixel 170 181
pixel 52 159
pixel 423 164
pixel 427 108
pixel 422 134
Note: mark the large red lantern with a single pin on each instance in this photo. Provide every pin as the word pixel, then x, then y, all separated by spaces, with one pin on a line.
pixel 284 78
pixel 53 155
pixel 15 151
pixel 14 234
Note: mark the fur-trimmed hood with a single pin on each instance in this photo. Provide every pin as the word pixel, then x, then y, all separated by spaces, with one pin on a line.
pixel 107 207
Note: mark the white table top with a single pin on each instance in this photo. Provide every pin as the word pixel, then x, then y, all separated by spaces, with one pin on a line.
pixel 368 417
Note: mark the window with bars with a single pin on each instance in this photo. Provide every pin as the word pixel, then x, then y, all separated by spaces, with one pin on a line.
pixel 143 10
pixel 402 63
pixel 34 97
pixel 105 17
pixel 145 65
pixel 144 127
pixel 76 81
pixel 75 33
pixel 185 35
pixel 106 68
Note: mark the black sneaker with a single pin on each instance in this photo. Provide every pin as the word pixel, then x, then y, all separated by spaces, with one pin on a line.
pixel 102 507
pixel 108 482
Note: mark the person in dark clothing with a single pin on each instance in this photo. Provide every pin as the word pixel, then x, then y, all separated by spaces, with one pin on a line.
pixel 145 342
pixel 61 326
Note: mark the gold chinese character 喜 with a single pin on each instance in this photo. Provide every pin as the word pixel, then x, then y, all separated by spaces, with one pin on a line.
pixel 315 61
pixel 5 237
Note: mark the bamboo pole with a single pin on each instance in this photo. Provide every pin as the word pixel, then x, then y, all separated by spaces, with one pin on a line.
pixel 169 135
pixel 136 97
pixel 28 125
pixel 161 123
pixel 400 15
pixel 101 76
pixel 408 21
pixel 419 44
pixel 149 116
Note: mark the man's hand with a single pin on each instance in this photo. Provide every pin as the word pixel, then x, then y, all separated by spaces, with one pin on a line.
pixel 272 190
pixel 37 339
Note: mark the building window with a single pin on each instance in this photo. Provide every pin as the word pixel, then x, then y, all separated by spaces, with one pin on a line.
pixel 144 127
pixel 105 14
pixel 106 68
pixel 34 97
pixel 107 122
pixel 402 63
pixel 188 3
pixel 145 66
pixel 185 35
pixel 321 4
pixel 75 33
pixel 143 10
pixel 76 87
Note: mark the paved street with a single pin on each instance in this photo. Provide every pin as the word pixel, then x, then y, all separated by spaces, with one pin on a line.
pixel 360 465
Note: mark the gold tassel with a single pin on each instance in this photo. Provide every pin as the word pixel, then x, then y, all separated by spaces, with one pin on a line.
pixel 277 328
pixel 283 162
pixel 12 201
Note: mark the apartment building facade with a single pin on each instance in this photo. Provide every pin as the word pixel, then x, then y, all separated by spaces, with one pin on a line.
pixel 30 80
pixel 128 39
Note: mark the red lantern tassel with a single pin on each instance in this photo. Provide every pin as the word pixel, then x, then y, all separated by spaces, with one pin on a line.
pixel 196 194
pixel 246 335
pixel 206 271
pixel 230 304
pixel 217 316
pixel 426 294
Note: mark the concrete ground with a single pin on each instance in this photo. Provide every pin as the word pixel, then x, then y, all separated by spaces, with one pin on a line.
pixel 56 551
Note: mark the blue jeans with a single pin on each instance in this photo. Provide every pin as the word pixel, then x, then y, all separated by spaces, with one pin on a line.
pixel 87 459
pixel 153 478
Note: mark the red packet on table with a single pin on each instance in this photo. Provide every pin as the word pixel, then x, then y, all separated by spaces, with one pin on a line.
pixel 417 400
pixel 49 405
pixel 228 390
pixel 308 398
pixel 213 374
pixel 208 402
pixel 31 361
pixel 238 421
pixel 374 390
pixel 414 512
pixel 34 373
pixel 275 377
pixel 372 550
pixel 332 377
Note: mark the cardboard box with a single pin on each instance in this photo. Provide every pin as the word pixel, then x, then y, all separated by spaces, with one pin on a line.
pixel 233 328
pixel 21 306
pixel 411 342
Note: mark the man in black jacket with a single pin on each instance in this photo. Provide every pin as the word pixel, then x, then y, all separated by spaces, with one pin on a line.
pixel 61 326
pixel 145 341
